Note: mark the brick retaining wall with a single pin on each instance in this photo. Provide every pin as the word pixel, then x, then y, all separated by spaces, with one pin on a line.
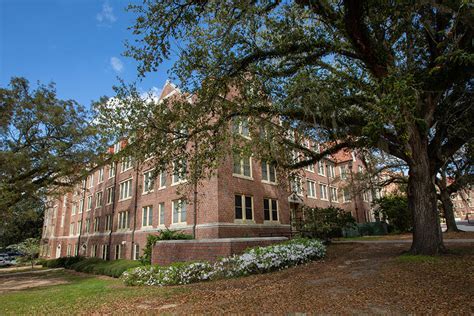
pixel 169 251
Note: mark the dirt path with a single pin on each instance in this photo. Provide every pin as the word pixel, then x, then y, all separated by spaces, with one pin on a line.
pixel 25 280
pixel 354 278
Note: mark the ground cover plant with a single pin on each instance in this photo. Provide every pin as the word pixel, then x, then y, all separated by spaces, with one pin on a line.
pixel 253 261
pixel 165 234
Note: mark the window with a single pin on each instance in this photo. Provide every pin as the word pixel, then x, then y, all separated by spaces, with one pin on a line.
pixel 98 199
pixel 94 251
pixel 78 228
pixel 63 216
pixel 88 225
pixel 112 170
pixel 332 171
pixel 90 180
pixel 343 172
pixel 126 164
pixel 89 203
pixel 147 216
pixel 241 126
pixel 65 201
pixel 323 189
pixel 116 147
pixel 81 205
pixel 161 215
pixel 242 166
pixel 110 195
pixel 148 182
pixel 136 252
pixel 162 180
pixel 101 175
pixel 68 250
pixel 108 222
pixel 366 196
pixel 270 210
pixel 296 186
pixel 71 229
pixel 310 168
pixel 105 252
pixel 96 224
pixel 321 170
pixel 126 189
pixel 346 195
pixel 74 208
pixel 179 171
pixel 179 211
pixel 243 207
pixel 333 194
pixel 268 172
pixel 311 189
pixel 118 251
pixel 123 220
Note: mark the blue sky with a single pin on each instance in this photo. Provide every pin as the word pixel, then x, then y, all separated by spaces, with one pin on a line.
pixel 75 43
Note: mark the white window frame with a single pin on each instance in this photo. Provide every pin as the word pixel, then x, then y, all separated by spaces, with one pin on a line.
pixel 179 176
pixel 129 191
pixel 108 222
pixel 323 194
pixel 123 220
pixel 99 196
pixel 238 126
pixel 321 167
pixel 151 182
pixel 126 164
pixel 244 218
pixel 179 212
pixel 89 203
pixel 311 189
pixel 331 191
pixel 343 172
pixel 162 180
pixel 161 214
pixel 331 171
pixel 96 224
pixel 136 248
pixel 101 175
pixel 110 191
pixel 71 229
pixel 147 219
pixel 90 180
pixel 118 251
pixel 270 209
pixel 112 167
pixel 269 166
pixel 296 186
pixel 344 200
pixel 241 173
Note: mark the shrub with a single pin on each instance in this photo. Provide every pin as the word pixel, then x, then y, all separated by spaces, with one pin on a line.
pixel 63 262
pixel 29 249
pixel 327 222
pixel 165 234
pixel 394 209
pixel 253 261
pixel 112 268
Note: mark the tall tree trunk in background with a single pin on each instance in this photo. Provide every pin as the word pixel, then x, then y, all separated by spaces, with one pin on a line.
pixel 422 201
pixel 447 204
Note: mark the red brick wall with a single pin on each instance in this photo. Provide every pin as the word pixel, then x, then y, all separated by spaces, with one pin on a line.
pixel 167 252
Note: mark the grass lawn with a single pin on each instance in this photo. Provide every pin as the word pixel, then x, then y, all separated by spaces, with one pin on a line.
pixel 352 279
pixel 408 236
pixel 76 292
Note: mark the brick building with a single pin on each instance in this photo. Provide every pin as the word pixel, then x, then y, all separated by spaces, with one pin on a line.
pixel 110 214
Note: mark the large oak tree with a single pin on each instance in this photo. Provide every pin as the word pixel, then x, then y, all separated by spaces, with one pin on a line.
pixel 392 75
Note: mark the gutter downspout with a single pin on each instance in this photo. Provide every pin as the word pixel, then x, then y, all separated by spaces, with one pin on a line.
pixel 113 211
pixel 135 211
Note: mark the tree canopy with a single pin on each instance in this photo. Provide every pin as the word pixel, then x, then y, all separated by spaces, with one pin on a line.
pixel 397 76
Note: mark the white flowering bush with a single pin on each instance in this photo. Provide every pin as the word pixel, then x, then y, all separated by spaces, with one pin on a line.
pixel 253 261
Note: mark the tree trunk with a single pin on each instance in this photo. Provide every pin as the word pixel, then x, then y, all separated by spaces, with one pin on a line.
pixel 422 201
pixel 447 205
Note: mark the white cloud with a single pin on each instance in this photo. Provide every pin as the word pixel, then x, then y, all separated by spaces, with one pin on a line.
pixel 116 64
pixel 107 14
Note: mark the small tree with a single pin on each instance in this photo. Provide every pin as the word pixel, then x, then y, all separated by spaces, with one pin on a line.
pixel 326 223
pixel 395 209
pixel 29 250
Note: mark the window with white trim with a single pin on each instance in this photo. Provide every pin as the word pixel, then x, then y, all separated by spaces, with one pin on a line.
pixel 63 217
pixel 296 186
pixel 333 192
pixel 116 147
pixel 321 169
pixel 90 180
pixel 147 216
pixel 332 171
pixel 96 224
pixel 105 252
pixel 161 214
pixel 148 181
pixel 94 251
pixel 243 207
pixel 123 220
pixel 310 168
pixel 71 229
pixel 110 195
pixel 162 180
pixel 81 206
pixel 126 189
pixel 323 191
pixel 89 203
pixel 346 195
pixel 112 170
pixel 136 252
pixel 101 175
pixel 108 222
pixel 343 172
pixel 74 208
pixel 241 126
pixel 270 210
pixel 242 165
pixel 268 172
pixel 127 164
pixel 179 211
pixel 78 228
pixel 98 199
pixel 179 171
pixel 311 188
pixel 68 250
pixel 88 225
pixel 64 200
pixel 118 251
